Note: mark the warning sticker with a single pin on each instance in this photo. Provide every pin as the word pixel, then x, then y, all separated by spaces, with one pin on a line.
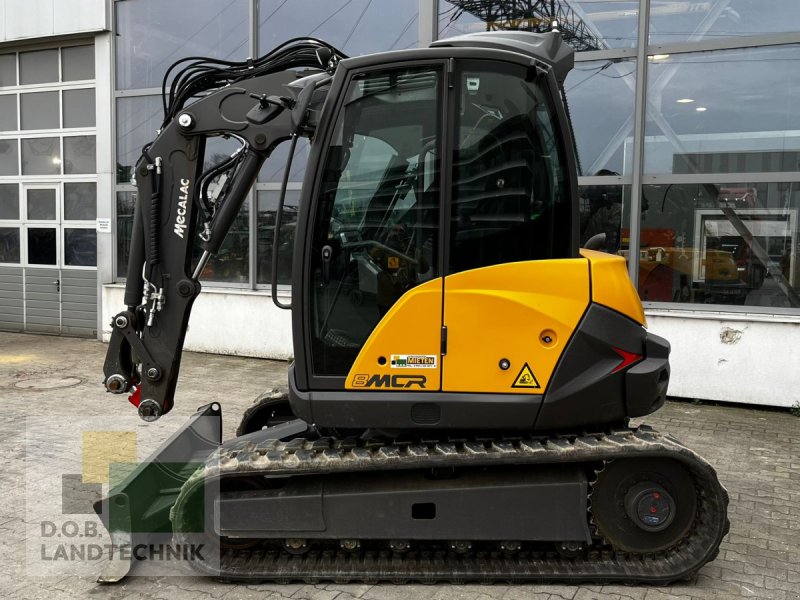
pixel 526 379
pixel 393 262
pixel 413 361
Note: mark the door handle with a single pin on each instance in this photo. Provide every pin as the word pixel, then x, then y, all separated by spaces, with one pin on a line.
pixel 327 252
pixel 57 283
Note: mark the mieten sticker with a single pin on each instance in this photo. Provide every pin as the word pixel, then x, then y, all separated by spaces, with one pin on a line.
pixel 413 361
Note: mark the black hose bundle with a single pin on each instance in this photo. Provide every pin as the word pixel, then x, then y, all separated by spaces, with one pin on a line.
pixel 205 74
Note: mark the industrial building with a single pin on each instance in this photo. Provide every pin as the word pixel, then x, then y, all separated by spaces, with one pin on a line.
pixel 687 128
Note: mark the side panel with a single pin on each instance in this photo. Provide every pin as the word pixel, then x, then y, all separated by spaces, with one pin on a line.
pixel 42 301
pixel 11 299
pixel 402 352
pixel 611 285
pixel 591 385
pixel 489 504
pixel 79 302
pixel 522 312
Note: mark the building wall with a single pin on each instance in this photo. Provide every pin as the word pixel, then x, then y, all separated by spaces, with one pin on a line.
pixel 242 323
pixel 74 35
pixel 750 359
pixel 28 19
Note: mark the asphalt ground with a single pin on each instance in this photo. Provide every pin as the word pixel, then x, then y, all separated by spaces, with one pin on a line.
pixel 50 385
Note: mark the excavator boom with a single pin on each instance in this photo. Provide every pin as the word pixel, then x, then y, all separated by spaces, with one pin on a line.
pixel 164 267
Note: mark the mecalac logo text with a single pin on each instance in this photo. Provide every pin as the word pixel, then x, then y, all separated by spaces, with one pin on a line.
pixel 180 218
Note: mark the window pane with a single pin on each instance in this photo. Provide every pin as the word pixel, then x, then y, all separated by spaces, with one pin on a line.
pixel 80 247
pixel 455 20
pixel 378 210
pixel 79 108
pixel 153 34
pixel 585 25
pixel 77 63
pixel 125 204
pixel 9 157
pixel 219 150
pixel 41 246
pixel 8 112
pixel 8 70
pixel 9 245
pixel 41 156
pixel 509 185
pixel 39 110
pixel 605 209
pixel 79 154
pixel 353 26
pixel 41 205
pixel 80 201
pixel 232 263
pixel 272 170
pixel 721 244
pixel 40 66
pixel 602 88
pixel 692 20
pixel 265 227
pixel 138 119
pixel 9 201
pixel 742 118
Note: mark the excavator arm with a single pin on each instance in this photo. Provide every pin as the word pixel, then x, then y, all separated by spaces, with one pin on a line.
pixel 261 104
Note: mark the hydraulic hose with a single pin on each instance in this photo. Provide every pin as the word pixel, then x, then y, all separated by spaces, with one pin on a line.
pixel 243 179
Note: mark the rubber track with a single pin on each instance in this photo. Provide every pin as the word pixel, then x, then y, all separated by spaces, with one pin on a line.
pixel 328 455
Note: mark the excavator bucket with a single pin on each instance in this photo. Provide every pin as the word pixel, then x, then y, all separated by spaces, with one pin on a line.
pixel 136 510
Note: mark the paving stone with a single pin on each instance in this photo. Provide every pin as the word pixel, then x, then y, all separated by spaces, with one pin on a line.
pixel 754 451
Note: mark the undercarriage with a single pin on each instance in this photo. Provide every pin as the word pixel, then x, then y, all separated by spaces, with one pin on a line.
pixel 624 505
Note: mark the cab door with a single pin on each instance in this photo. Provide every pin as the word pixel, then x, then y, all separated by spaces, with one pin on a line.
pixel 515 289
pixel 376 231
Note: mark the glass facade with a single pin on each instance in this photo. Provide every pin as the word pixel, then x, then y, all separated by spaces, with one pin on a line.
pixel 602 87
pixel 601 212
pixel 353 26
pixel 126 201
pixel 695 20
pixel 265 231
pixel 684 114
pixel 586 24
pixel 742 118
pixel 153 34
pixel 720 243
pixel 138 119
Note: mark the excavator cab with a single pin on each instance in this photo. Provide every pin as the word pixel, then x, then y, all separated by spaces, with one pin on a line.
pixel 419 178
pixel 464 372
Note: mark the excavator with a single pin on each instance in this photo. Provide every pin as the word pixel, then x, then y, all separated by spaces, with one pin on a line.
pixel 464 372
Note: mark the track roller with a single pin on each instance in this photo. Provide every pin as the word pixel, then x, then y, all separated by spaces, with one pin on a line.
pixel 296 546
